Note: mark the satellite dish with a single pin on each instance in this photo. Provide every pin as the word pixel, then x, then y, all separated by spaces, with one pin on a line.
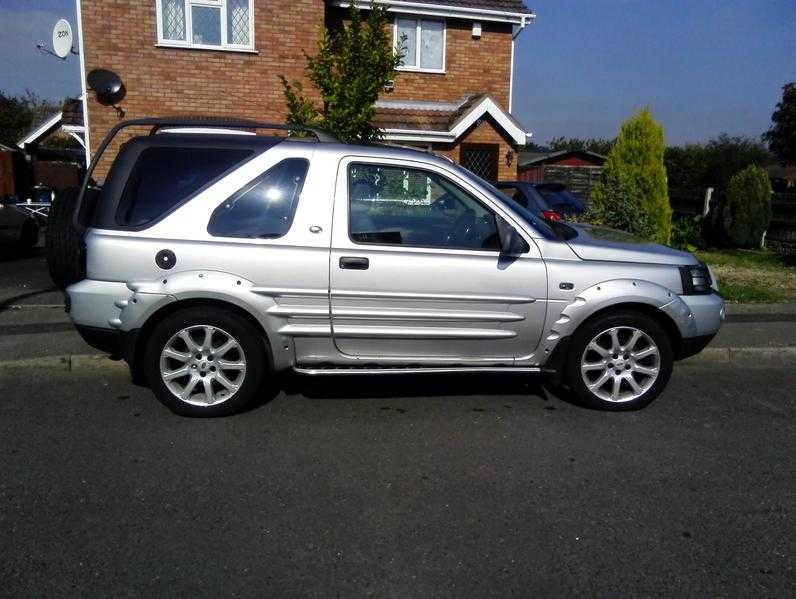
pixel 107 85
pixel 62 38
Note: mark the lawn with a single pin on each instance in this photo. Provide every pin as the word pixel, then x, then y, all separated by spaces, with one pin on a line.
pixel 751 275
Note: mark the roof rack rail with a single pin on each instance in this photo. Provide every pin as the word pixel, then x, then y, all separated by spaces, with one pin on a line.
pixel 158 123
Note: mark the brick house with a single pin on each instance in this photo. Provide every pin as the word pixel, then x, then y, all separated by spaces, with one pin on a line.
pixel 223 58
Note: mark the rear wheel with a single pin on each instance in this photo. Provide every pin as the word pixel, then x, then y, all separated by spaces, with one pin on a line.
pixel 205 362
pixel 619 361
pixel 66 257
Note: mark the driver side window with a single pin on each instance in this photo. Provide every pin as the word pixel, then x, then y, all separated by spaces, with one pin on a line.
pixel 402 206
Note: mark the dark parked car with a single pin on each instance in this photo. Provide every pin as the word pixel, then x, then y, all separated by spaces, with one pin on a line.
pixel 560 198
pixel 543 200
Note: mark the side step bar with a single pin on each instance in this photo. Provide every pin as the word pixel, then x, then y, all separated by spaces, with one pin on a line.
pixel 429 370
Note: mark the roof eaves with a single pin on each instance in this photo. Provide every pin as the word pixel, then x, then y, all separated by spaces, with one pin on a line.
pixel 473 109
pixel 443 10
pixel 42 130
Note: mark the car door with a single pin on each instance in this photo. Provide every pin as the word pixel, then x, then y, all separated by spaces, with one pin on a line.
pixel 416 270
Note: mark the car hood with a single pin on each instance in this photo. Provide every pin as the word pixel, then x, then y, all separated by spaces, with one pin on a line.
pixel 600 243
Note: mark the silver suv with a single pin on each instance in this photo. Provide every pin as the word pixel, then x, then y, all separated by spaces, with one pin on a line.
pixel 215 258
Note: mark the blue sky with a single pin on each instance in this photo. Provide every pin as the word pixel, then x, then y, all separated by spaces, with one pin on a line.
pixel 703 66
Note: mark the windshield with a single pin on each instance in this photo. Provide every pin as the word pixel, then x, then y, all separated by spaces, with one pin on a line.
pixel 535 222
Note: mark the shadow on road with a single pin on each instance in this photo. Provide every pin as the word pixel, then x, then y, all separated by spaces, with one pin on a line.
pixel 9 253
pixel 423 385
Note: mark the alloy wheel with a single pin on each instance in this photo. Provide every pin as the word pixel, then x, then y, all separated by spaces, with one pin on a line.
pixel 203 365
pixel 620 364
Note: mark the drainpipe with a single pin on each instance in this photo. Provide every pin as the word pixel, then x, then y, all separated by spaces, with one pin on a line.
pixel 84 96
pixel 514 36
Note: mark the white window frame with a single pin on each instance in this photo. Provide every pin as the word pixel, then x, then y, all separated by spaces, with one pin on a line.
pixel 416 68
pixel 188 42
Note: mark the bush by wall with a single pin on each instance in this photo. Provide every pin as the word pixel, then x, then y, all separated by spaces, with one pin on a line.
pixel 744 215
pixel 687 232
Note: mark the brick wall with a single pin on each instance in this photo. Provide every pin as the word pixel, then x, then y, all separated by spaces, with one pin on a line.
pixel 471 66
pixel 485 132
pixel 121 35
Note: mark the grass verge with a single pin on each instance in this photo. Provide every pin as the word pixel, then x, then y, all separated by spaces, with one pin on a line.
pixel 751 275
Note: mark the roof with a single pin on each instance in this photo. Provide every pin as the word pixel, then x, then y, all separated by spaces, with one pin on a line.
pixel 502 5
pixel 505 11
pixel 73 112
pixel 536 158
pixel 443 122
pixel 70 116
pixel 42 130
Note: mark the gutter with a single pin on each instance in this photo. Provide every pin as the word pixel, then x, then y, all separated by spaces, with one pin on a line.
pixel 442 10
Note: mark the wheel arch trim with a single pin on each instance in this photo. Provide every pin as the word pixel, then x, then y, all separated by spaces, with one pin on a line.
pixel 661 303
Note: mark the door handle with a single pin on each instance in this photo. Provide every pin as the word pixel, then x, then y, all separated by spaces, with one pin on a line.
pixel 354 263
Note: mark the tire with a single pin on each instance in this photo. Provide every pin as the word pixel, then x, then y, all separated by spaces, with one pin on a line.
pixel 641 379
pixel 206 370
pixel 28 235
pixel 66 256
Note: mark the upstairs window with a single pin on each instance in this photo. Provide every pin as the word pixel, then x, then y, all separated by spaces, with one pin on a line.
pixel 209 24
pixel 423 44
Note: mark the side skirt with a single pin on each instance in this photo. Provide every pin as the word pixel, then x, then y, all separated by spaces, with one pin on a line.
pixel 429 370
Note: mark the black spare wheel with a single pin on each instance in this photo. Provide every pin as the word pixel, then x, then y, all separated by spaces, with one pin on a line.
pixel 66 256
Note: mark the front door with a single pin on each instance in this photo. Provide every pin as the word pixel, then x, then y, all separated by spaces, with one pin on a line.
pixel 416 270
pixel 481 159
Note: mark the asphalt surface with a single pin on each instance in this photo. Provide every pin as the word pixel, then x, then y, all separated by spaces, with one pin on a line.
pixel 417 487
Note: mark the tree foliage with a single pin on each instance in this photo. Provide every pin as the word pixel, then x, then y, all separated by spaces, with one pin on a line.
pixel 599 145
pixel 712 164
pixel 616 203
pixel 18 115
pixel 745 213
pixel 781 137
pixel 635 166
pixel 349 70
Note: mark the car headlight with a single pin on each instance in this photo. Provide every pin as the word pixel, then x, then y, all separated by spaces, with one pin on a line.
pixel 697 280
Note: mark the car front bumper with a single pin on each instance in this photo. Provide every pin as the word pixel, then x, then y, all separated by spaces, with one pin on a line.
pixel 707 311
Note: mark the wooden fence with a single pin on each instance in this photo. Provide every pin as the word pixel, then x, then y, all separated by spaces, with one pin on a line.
pixel 781 233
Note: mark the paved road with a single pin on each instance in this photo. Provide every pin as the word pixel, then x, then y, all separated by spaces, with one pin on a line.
pixel 422 487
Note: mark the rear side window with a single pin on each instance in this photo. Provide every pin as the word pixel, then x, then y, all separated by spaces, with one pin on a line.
pixel 163 178
pixel 264 208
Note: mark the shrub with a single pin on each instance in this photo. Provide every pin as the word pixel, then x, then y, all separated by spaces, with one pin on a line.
pixel 635 163
pixel 745 214
pixel 615 203
pixel 687 232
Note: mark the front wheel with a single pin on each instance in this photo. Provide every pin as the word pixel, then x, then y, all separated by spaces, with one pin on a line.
pixel 619 361
pixel 205 362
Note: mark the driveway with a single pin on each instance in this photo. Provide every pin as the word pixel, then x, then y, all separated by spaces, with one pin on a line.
pixel 417 487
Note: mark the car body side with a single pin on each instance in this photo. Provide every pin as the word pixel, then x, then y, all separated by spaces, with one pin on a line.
pixel 289 287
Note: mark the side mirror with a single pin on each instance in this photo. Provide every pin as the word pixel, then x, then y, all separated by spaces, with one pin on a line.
pixel 511 242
